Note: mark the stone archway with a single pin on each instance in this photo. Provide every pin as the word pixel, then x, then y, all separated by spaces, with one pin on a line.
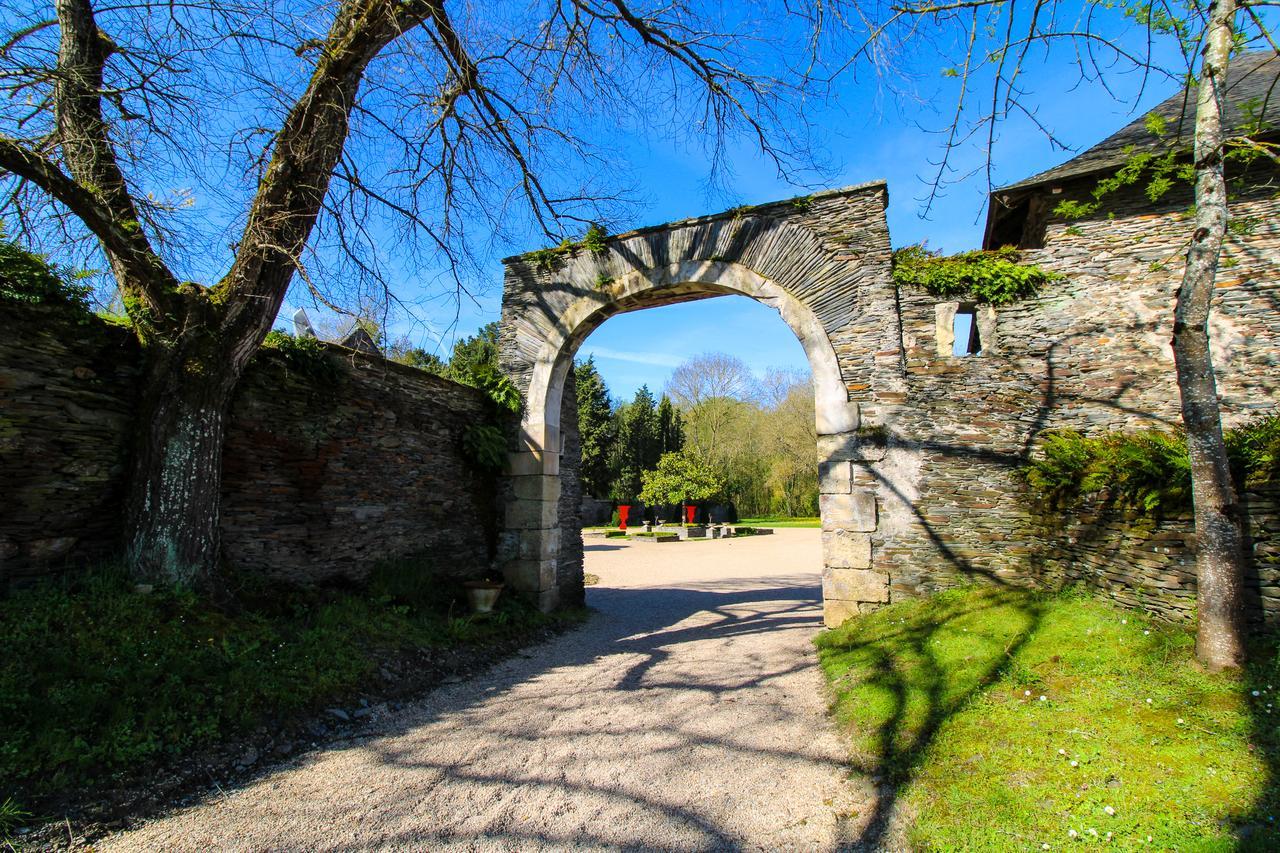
pixel 821 261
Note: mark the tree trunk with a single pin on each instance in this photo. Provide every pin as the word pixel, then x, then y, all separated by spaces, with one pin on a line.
pixel 1220 562
pixel 172 510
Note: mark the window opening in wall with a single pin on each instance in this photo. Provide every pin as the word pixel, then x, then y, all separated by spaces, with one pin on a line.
pixel 967 341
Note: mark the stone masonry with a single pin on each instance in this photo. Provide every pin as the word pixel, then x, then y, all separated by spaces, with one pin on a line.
pixel 320 481
pixel 821 261
pixel 920 475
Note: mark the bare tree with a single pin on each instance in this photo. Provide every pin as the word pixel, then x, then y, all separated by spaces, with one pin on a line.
pixel 315 127
pixel 988 45
pixel 710 390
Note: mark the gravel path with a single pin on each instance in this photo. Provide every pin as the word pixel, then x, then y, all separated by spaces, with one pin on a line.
pixel 688 714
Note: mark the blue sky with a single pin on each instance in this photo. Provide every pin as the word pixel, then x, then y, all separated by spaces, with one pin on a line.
pixel 871 136
pixel 866 128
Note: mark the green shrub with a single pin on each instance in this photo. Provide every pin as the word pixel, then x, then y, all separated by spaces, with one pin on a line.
pixel 306 356
pixel 1255 451
pixel 680 477
pixel 28 277
pixel 996 276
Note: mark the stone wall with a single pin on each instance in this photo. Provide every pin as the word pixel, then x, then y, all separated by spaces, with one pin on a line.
pixel 1150 564
pixel 320 480
pixel 66 406
pixel 1091 352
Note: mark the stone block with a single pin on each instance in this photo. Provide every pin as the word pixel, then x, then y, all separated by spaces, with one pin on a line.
pixel 539 544
pixel 863 585
pixel 531 575
pixel 532 515
pixel 547 600
pixel 944 322
pixel 848 447
pixel 855 511
pixel 536 487
pixel 846 549
pixel 836 613
pixel 540 437
pixel 531 463
pixel 835 416
pixel 835 478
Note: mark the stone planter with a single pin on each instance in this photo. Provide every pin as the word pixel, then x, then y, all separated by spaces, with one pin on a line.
pixel 482 595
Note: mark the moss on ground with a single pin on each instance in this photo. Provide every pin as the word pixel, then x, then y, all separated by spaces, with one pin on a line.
pixel 1006 720
pixel 99 681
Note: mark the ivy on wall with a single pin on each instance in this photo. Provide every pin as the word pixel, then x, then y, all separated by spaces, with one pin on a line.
pixel 305 356
pixel 28 277
pixel 996 277
pixel 1147 471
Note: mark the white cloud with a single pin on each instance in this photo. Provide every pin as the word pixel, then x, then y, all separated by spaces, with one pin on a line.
pixel 654 359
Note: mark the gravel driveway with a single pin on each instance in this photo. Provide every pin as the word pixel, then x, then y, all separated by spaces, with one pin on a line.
pixel 688 714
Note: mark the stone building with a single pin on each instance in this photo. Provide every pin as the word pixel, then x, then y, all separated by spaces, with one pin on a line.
pixel 1091 351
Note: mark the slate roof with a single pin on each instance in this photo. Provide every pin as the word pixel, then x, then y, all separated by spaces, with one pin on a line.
pixel 1250 76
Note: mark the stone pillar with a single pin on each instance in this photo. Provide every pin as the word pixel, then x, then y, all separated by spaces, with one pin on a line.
pixel 533 517
pixel 849 583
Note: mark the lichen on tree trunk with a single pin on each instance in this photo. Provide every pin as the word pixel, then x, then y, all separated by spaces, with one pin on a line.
pixel 1219 554
pixel 176 478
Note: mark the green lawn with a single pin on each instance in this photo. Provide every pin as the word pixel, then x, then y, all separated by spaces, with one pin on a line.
pixel 98 680
pixel 780 521
pixel 1007 721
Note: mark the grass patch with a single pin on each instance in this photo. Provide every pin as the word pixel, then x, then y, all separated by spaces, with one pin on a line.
pixel 98 682
pixel 781 521
pixel 941 697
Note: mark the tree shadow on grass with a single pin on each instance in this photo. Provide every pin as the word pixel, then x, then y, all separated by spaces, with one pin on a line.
pixel 912 674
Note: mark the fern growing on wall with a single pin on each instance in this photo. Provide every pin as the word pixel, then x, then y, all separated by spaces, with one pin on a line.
pixel 1147 471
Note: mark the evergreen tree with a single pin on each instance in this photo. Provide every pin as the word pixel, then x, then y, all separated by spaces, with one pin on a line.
pixel 597 428
pixel 639 444
pixel 475 356
pixel 670 427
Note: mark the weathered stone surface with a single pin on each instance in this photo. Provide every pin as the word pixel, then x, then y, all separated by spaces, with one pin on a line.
pixel 835 478
pixel 532 514
pixel 854 511
pixel 531 574
pixel 540 544
pixel 846 549
pixel 318 481
pixel 836 612
pixel 863 585
pixel 537 487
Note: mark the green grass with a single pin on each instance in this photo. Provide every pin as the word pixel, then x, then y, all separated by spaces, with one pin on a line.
pixel 780 521
pixel 98 680
pixel 941 697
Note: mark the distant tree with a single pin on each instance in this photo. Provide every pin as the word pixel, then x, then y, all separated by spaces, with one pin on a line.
pixel 597 429
pixel 403 351
pixel 638 446
pixel 477 354
pixel 680 478
pixel 787 439
pixel 670 427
